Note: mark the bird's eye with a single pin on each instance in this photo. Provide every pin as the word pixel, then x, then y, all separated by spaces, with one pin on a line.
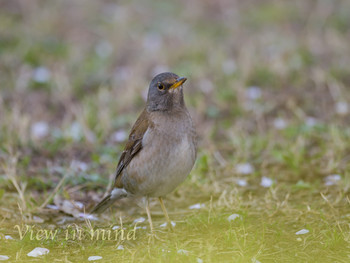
pixel 160 86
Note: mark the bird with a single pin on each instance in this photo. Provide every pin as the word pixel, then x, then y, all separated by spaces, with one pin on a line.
pixel 160 151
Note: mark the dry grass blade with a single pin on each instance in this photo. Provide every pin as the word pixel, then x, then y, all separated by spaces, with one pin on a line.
pixel 54 192
pixel 10 168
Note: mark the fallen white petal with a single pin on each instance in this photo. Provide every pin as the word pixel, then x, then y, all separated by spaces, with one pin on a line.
pixel 311 121
pixel 342 108
pixel 241 182
pixel 67 206
pixel 3 257
pixel 115 227
pixel 8 237
pixel 199 260
pixel 166 223
pixel 266 182
pixel 141 227
pixel 40 129
pixel 120 247
pixel 332 179
pixel 302 232
pixel 253 92
pixel 279 123
pixel 197 206
pixel 38 219
pixel 41 74
pixel 38 251
pixel 233 217
pixel 53 207
pixel 87 216
pixel 244 168
pixel 93 258
pixel 80 205
pixel 139 220
pixel 182 252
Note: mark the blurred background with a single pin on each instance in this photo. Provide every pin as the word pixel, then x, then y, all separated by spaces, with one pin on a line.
pixel 268 88
pixel 88 64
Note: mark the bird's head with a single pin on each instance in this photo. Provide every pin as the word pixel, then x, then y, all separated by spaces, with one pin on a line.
pixel 165 92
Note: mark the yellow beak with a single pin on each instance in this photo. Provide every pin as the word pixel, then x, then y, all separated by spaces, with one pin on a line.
pixel 178 83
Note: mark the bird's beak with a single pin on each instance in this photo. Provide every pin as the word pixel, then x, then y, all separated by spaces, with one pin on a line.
pixel 178 83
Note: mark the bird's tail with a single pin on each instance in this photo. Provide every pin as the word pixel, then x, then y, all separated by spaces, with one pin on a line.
pixel 116 194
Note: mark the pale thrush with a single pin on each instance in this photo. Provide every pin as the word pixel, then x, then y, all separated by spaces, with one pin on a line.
pixel 161 149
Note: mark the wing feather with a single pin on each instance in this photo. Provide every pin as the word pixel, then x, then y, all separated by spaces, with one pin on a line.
pixel 133 146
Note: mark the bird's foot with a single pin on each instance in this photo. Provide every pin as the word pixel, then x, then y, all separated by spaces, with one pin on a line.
pixel 153 236
pixel 170 227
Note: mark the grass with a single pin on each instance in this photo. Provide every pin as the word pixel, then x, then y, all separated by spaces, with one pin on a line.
pixel 267 87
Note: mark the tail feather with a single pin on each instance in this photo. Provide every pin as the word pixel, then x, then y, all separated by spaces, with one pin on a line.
pixel 106 202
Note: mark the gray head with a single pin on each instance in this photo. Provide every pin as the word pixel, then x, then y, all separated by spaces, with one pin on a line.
pixel 165 92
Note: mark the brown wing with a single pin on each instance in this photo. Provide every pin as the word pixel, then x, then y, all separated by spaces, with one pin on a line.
pixel 133 146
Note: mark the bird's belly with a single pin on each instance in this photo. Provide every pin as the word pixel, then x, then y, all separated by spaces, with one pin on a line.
pixel 162 170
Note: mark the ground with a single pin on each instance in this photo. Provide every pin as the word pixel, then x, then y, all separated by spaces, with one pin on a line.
pixel 268 88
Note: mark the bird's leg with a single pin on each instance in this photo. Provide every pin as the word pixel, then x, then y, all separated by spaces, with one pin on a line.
pixel 149 216
pixel 153 234
pixel 170 226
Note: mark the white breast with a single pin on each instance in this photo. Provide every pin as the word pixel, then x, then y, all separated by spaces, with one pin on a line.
pixel 163 166
pixel 176 167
